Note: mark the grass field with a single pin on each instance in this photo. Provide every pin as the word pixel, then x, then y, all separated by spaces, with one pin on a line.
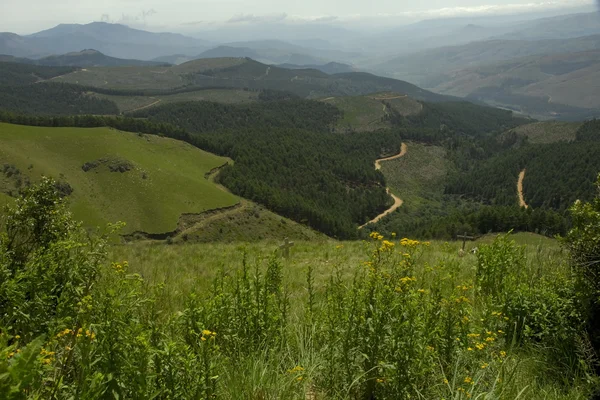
pixel 548 131
pixel 227 96
pixel 361 113
pixel 198 263
pixel 165 177
pixel 419 175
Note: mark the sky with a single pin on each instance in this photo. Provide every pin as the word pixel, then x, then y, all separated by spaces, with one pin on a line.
pixel 28 16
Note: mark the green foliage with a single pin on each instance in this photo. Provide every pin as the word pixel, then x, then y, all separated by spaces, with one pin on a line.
pixel 53 99
pixel 496 263
pixel 390 328
pixel 14 74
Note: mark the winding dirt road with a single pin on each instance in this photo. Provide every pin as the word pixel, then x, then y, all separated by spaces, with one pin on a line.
pixel 403 150
pixel 397 200
pixel 520 190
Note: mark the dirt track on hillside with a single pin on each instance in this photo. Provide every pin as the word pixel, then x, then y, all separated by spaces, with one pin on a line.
pixel 403 150
pixel 520 189
pixel 397 200
pixel 146 106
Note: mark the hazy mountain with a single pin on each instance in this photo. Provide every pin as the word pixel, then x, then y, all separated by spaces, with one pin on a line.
pixel 546 85
pixel 112 39
pixel 432 67
pixel 329 68
pixel 85 58
pixel 264 55
pixel 560 27
pixel 174 59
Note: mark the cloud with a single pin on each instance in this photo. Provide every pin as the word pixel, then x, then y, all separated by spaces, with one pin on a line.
pixel 251 18
pixel 330 18
pixel 495 8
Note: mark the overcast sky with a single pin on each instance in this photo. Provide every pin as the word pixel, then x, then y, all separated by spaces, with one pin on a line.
pixel 28 16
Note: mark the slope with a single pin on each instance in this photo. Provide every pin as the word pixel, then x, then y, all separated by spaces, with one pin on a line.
pixel 146 181
pixel 244 73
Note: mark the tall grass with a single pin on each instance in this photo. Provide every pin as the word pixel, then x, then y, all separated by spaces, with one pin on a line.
pixel 380 319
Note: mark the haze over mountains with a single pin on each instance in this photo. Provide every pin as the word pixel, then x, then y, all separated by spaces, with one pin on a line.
pixel 514 61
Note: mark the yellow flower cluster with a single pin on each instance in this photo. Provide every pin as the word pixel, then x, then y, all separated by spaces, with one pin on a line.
pixel 47 356
pixel 406 242
pixel 80 333
pixel 386 246
pixel 376 236
pixel 120 268
pixel 207 334
pixel 297 368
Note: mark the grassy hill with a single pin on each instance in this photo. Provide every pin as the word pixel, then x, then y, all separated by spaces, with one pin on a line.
pixel 156 180
pixel 548 131
pixel 368 113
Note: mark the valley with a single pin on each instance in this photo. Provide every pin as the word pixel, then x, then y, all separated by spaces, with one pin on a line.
pixel 402 212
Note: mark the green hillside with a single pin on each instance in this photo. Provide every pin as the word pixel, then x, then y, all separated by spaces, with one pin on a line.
pixel 133 103
pixel 370 112
pixel 242 73
pixel 161 179
pixel 548 131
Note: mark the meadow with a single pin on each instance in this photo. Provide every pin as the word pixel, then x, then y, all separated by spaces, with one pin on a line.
pixel 146 181
pixel 383 318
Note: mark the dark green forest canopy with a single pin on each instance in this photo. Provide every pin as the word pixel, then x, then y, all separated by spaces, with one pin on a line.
pixel 48 98
pixel 287 159
pixel 14 74
pixel 557 174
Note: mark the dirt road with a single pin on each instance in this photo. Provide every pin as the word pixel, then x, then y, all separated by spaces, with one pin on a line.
pixel 403 150
pixel 146 106
pixel 520 190
pixel 397 201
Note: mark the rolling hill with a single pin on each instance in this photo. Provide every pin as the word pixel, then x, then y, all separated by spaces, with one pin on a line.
pixel 558 85
pixel 146 181
pixel 84 58
pixel 431 67
pixel 243 73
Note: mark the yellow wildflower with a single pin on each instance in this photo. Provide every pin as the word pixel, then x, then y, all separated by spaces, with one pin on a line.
pixel 484 365
pixel 468 379
pixel 480 346
pixel 445 381
pixel 206 332
pixel 502 354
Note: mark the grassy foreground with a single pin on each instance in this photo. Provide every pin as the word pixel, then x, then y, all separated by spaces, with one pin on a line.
pixel 155 180
pixel 386 318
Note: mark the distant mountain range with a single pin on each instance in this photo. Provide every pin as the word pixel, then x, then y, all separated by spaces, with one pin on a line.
pixel 85 58
pixel 428 68
pixel 540 84
pixel 112 39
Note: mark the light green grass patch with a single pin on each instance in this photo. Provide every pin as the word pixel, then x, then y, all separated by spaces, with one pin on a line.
pixel 361 113
pixel 166 178
pixel 548 131
pixel 418 175
pixel 198 263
